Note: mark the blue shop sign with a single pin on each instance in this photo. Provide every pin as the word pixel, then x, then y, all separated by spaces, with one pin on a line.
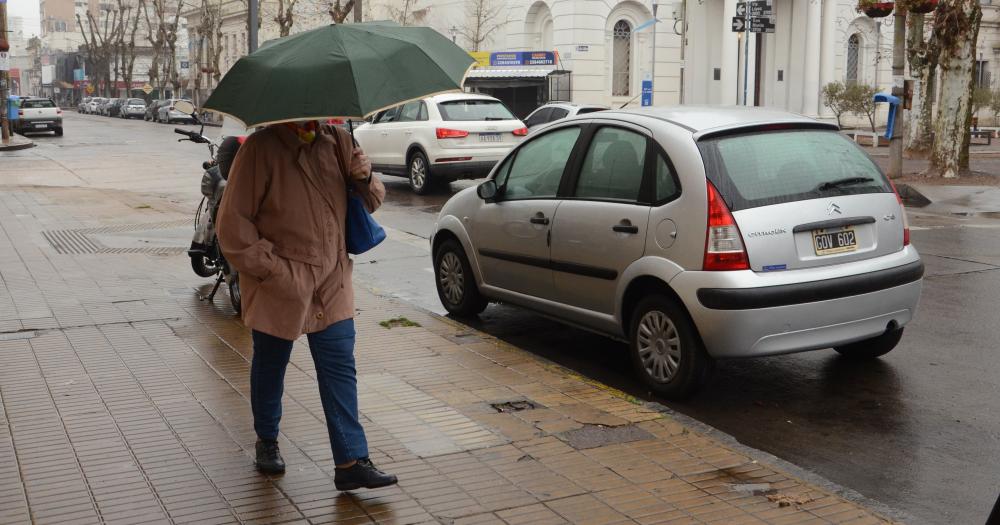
pixel 523 58
pixel 647 92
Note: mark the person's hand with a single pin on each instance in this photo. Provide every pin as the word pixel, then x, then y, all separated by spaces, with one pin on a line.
pixel 361 165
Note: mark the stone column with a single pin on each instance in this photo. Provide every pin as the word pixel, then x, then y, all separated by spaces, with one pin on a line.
pixel 810 73
pixel 828 50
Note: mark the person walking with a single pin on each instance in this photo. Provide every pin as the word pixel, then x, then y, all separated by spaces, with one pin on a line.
pixel 281 225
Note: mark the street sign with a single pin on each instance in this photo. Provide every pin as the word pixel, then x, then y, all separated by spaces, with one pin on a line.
pixel 741 9
pixel 89 89
pixel 760 8
pixel 761 25
pixel 739 24
pixel 647 92
pixel 147 89
pixel 4 60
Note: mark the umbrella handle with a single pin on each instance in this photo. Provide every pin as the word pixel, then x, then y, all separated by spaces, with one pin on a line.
pixel 350 127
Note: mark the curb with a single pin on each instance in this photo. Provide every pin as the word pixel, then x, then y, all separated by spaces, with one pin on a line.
pixel 709 431
pixel 19 146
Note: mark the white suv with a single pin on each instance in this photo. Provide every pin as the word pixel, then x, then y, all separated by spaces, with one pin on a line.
pixel 441 138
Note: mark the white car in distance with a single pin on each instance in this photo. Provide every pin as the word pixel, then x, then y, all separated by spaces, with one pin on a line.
pixel 439 139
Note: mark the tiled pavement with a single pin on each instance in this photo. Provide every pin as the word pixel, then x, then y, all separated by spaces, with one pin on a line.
pixel 124 399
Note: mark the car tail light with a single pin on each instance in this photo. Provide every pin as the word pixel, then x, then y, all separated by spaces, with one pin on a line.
pixel 171 108
pixel 724 248
pixel 902 209
pixel 445 133
pixel 20 112
pixel 335 121
pixel 58 112
pixel 520 132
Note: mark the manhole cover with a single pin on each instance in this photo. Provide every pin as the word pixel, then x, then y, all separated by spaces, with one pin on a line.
pixel 593 436
pixel 514 406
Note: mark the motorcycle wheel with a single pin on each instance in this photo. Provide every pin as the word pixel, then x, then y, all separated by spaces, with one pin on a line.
pixel 203 267
pixel 234 292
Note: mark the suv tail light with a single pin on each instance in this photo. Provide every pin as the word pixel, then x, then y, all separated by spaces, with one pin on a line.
pixel 724 248
pixel 520 132
pixel 58 112
pixel 445 133
pixel 20 112
pixel 335 121
pixel 171 108
pixel 902 209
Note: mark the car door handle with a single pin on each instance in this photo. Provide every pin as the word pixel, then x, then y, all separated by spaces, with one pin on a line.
pixel 409 133
pixel 625 226
pixel 539 219
pixel 384 133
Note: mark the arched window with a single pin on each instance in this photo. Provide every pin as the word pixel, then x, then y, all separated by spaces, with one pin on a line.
pixel 621 60
pixel 853 49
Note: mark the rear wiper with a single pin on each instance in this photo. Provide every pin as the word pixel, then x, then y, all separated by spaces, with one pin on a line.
pixel 848 181
pixel 495 118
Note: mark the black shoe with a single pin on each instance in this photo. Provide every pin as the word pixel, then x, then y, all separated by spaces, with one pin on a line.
pixel 269 459
pixel 362 475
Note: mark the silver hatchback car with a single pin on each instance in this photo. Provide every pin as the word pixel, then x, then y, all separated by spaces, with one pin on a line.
pixel 692 233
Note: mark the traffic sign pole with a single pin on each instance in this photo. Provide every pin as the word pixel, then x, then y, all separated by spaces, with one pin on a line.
pixel 746 53
pixel 4 78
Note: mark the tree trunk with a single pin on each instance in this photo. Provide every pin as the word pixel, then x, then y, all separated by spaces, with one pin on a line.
pixel 956 28
pixel 922 58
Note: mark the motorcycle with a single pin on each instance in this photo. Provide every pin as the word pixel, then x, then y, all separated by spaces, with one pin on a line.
pixel 207 259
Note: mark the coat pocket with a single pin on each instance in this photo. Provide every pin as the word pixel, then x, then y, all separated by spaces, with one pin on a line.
pixel 307 255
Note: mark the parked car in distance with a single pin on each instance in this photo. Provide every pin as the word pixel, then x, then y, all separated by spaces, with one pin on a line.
pixel 169 114
pixel 693 233
pixel 441 138
pixel 151 110
pixel 39 114
pixel 554 111
pixel 115 108
pixel 94 106
pixel 133 108
pixel 82 106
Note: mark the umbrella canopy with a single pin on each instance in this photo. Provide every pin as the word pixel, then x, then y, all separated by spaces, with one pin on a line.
pixel 339 71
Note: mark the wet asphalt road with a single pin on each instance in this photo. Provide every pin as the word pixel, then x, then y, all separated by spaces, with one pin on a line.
pixel 918 430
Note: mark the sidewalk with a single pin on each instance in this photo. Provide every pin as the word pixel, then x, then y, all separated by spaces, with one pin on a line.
pixel 124 399
pixel 17 142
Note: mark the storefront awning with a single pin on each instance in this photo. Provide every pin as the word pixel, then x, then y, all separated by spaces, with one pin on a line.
pixel 524 72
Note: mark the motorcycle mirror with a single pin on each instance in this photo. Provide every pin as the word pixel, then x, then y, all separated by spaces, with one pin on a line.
pixel 184 107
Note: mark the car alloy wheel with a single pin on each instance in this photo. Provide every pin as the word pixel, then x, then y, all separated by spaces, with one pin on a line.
pixel 419 176
pixel 452 278
pixel 659 346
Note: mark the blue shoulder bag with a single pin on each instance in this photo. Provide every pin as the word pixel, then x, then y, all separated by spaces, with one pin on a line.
pixel 361 231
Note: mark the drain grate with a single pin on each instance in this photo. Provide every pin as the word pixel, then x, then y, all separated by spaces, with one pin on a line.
pixel 514 406
pixel 80 241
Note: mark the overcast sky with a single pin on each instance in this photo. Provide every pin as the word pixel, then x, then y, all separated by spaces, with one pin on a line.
pixel 28 10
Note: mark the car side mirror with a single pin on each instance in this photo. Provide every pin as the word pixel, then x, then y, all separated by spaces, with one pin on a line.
pixel 487 190
pixel 184 107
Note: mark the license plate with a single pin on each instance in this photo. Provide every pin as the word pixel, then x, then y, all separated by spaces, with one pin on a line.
pixel 41 126
pixel 839 240
pixel 489 137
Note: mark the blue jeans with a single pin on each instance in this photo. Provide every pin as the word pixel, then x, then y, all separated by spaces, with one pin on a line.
pixel 333 354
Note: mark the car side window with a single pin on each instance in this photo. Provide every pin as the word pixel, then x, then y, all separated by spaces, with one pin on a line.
pixel 388 115
pixel 538 166
pixel 558 113
pixel 540 116
pixel 409 112
pixel 613 166
pixel 422 115
pixel 666 180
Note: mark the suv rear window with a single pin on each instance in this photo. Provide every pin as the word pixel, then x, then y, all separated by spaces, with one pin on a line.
pixel 37 103
pixel 474 109
pixel 764 168
pixel 136 102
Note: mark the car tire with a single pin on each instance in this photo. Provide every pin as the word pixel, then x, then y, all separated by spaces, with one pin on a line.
pixel 59 132
pixel 418 171
pixel 456 284
pixel 666 351
pixel 871 348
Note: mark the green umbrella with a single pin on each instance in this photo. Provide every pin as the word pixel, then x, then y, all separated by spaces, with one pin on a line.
pixel 339 71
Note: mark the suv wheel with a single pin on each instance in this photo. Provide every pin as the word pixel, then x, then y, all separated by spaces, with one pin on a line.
pixel 456 285
pixel 666 351
pixel 872 348
pixel 419 172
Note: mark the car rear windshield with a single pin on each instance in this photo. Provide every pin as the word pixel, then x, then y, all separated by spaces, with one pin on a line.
pixel 136 102
pixel 764 168
pixel 474 110
pixel 43 103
